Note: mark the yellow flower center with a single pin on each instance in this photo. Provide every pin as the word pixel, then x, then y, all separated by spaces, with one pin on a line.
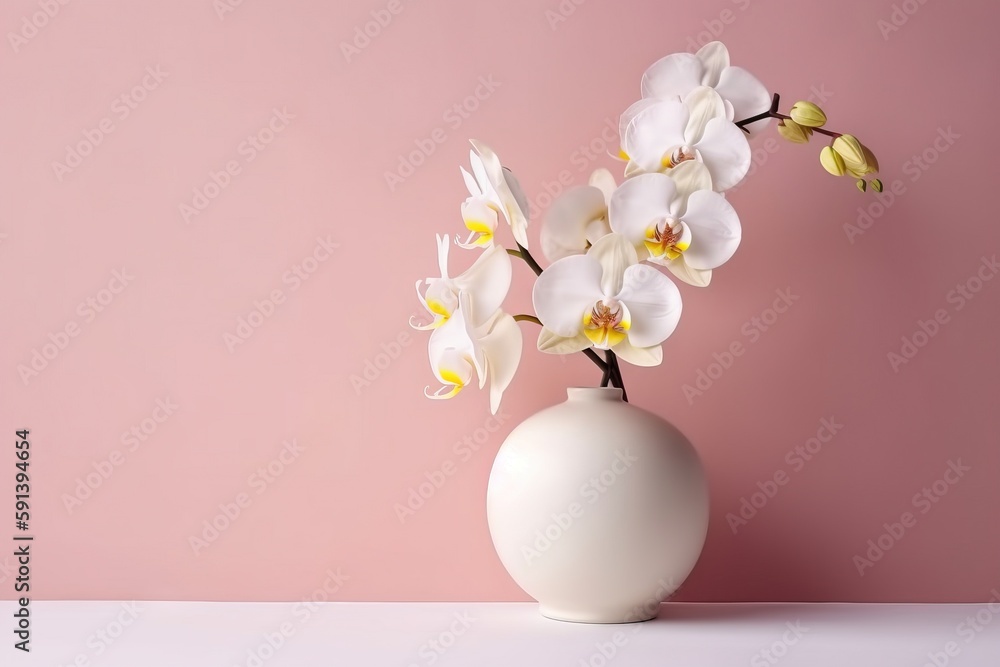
pixel 680 154
pixel 606 326
pixel 479 227
pixel 665 239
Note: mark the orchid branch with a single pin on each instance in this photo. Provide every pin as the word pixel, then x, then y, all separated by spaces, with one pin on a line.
pixel 773 113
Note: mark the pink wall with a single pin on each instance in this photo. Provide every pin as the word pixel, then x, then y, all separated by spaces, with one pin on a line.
pixel 159 336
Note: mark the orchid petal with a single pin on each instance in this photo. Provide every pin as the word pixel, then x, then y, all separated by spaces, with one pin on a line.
pixel 552 343
pixel 747 94
pixel 715 230
pixel 564 228
pixel 565 291
pixel 603 180
pixel 726 153
pixel 714 57
pixel 689 176
pixel 629 114
pixel 639 202
pixel 511 203
pixel 488 281
pixel 703 104
pixel 655 130
pixel 693 277
pixel 654 303
pixel 502 349
pixel 639 356
pixel 615 253
pixel 673 76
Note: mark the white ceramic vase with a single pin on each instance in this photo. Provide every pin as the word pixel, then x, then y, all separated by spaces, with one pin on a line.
pixel 598 509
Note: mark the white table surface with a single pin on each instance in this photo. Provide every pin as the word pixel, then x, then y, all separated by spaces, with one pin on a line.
pixel 192 634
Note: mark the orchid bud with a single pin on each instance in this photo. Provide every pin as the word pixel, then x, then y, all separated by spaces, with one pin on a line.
pixel 832 161
pixel 862 185
pixel 876 185
pixel 795 133
pixel 807 114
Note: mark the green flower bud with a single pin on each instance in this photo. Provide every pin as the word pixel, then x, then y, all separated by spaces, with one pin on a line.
pixel 794 132
pixel 807 114
pixel 832 161
pixel 862 185
pixel 877 185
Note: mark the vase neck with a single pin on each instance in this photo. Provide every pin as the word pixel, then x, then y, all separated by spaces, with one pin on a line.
pixel 592 394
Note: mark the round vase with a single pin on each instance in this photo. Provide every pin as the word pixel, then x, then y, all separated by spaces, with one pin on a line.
pixel 598 509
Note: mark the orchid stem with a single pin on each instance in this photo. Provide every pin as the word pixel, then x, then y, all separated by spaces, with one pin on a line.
pixel 773 113
pixel 615 374
pixel 527 318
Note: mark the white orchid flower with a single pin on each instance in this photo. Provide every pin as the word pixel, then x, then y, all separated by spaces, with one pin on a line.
pixel 578 217
pixel 499 188
pixel 460 352
pixel 664 134
pixel 677 221
pixel 487 281
pixel 481 221
pixel 676 75
pixel 607 300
